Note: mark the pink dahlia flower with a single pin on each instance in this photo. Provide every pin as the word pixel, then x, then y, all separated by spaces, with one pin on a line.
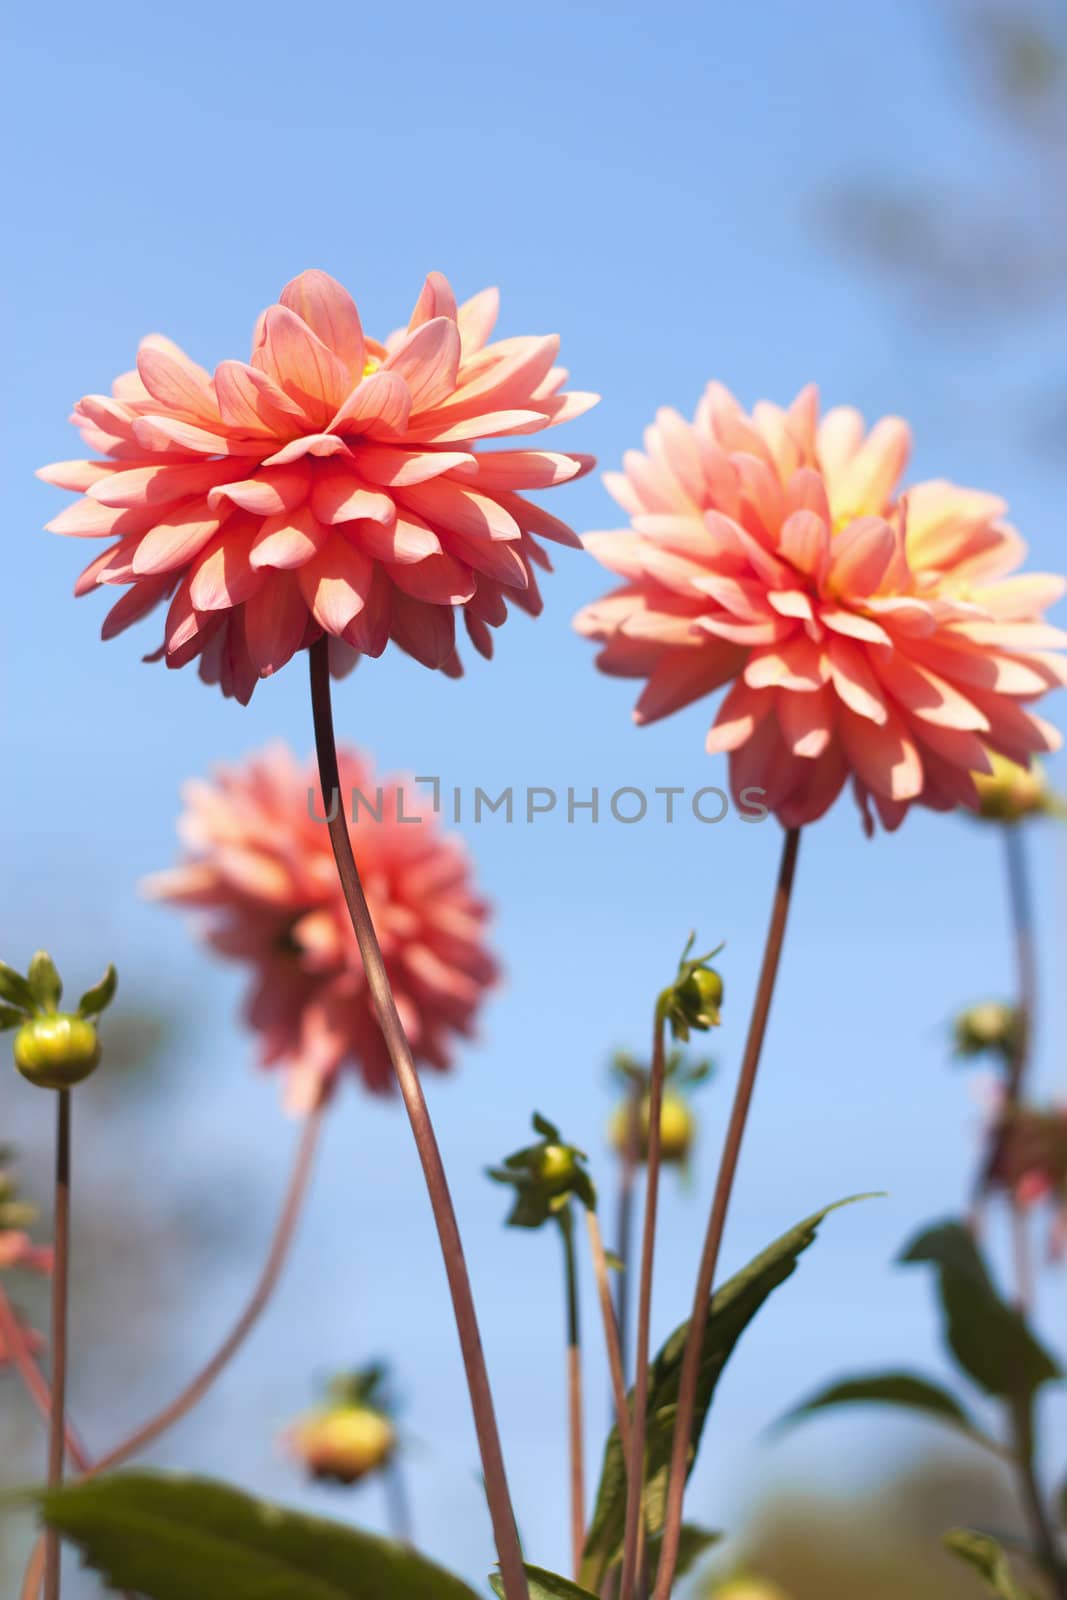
pixel 330 485
pixel 260 865
pixel 864 631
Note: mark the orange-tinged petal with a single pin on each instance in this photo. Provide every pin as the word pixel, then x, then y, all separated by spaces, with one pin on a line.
pixel 301 365
pixel 288 539
pixel 331 314
pixel 335 582
pixel 275 622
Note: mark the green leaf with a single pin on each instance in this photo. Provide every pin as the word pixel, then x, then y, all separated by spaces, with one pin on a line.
pixel 693 1543
pixel 100 996
pixel 989 1338
pixel 169 1538
pixel 14 988
pixel 46 985
pixel 894 1389
pixel 11 1017
pixel 730 1311
pixel 989 1560
pixel 545 1586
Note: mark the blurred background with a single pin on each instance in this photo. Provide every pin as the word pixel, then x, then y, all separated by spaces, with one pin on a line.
pixel 872 197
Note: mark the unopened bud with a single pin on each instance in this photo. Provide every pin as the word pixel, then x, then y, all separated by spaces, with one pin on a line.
pixel 700 997
pixel 991 1026
pixel 1011 792
pixel 677 1128
pixel 56 1051
pixel 343 1444
pixel 749 1589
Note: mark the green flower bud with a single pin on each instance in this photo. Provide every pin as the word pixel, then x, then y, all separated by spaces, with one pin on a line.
pixel 343 1444
pixel 556 1166
pixel 677 1129
pixel 747 1588
pixel 700 998
pixel 1011 792
pixel 56 1051
pixel 991 1026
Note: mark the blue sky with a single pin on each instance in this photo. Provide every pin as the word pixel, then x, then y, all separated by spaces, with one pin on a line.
pixel 648 182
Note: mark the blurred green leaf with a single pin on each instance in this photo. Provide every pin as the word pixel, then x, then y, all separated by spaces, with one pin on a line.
pixel 730 1311
pixel 15 989
pixel 170 1538
pixel 989 1338
pixel 989 1560
pixel 902 1389
pixel 100 996
pixel 46 986
pixel 11 1017
pixel 545 1586
pixel 694 1543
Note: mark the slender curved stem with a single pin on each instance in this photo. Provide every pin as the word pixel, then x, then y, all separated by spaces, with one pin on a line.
pixel 1025 938
pixel 574 1390
pixel 611 1330
pixel 34 1574
pixel 1020 1416
pixel 14 1338
pixel 687 1392
pixel 57 1439
pixel 629 1161
pixel 401 1523
pixel 635 1466
pixel 276 1258
pixel 505 1533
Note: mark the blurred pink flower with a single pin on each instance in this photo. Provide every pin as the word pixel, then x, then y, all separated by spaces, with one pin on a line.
pixel 863 631
pixel 261 866
pixel 17 1251
pixel 1029 1161
pixel 331 485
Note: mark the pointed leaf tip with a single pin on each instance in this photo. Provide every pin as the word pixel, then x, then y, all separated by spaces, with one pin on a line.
pixel 100 996
pixel 45 983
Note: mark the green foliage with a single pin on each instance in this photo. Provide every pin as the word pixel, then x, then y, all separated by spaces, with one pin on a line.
pixel 15 990
pixel 100 996
pixel 989 1338
pixel 545 1586
pixel 693 1543
pixel 170 1538
pixel 903 1389
pixel 365 1386
pixel 46 985
pixel 729 1312
pixel 989 1560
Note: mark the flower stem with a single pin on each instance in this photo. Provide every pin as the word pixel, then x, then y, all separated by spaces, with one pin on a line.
pixel 628 1164
pixel 1020 1414
pixel 635 1466
pixel 611 1331
pixel 57 1438
pixel 401 1525
pixel 14 1338
pixel 574 1390
pixel 505 1533
pixel 687 1393
pixel 277 1256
